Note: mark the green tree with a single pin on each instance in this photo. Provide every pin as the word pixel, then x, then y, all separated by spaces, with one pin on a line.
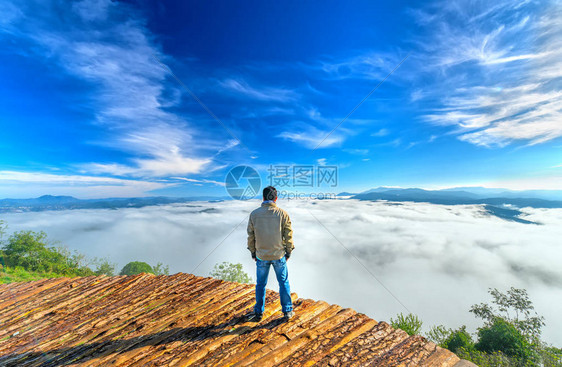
pixel 482 359
pixel 515 307
pixel 3 227
pixel 511 327
pixel 503 336
pixel 509 336
pixel 27 249
pixel 31 251
pixel 230 272
pixel 439 334
pixel 551 356
pixel 410 323
pixel 136 267
pixel 160 269
pixel 458 339
pixel 104 266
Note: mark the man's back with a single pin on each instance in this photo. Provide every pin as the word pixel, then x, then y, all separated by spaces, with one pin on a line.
pixel 270 235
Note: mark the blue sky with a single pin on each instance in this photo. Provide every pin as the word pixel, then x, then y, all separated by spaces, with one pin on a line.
pixel 89 106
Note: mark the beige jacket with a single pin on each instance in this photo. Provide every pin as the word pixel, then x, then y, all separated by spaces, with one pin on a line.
pixel 269 232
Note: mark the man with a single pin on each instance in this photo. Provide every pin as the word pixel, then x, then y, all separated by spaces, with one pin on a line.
pixel 270 240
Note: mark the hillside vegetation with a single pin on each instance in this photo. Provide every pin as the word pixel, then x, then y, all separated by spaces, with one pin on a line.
pixel 29 255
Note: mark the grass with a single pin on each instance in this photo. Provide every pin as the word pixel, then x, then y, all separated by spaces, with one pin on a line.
pixel 18 274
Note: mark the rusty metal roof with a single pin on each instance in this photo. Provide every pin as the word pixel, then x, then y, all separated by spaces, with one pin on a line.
pixel 182 320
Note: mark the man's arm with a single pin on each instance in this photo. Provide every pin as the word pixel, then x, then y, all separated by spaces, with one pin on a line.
pixel 251 238
pixel 287 235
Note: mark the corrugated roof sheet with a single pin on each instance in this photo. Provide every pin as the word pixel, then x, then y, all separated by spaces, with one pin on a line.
pixel 182 319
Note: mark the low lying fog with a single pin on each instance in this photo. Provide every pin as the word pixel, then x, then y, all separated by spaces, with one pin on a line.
pixel 437 260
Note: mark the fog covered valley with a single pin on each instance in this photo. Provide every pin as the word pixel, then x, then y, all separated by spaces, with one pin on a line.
pixel 436 260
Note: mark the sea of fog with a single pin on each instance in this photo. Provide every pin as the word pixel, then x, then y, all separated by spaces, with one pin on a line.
pixel 437 260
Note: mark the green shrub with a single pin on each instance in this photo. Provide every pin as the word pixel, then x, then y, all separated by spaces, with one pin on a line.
pixel 458 339
pixel 482 359
pixel 30 250
pixel 551 356
pixel 105 267
pixel 514 307
pixel 160 269
pixel 510 326
pixel 231 272
pixel 502 336
pixel 3 227
pixel 410 323
pixel 136 267
pixel 439 335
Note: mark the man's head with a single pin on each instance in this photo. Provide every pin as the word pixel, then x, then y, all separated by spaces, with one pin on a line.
pixel 270 193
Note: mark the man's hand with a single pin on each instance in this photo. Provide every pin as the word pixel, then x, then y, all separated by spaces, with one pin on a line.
pixel 287 255
pixel 254 256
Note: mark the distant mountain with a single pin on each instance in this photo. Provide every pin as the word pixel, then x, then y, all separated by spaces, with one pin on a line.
pixel 454 197
pixel 421 194
pixel 485 192
pixel 42 200
pixel 379 189
pixel 49 202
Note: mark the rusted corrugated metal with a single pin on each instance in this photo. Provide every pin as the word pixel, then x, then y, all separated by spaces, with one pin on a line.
pixel 182 320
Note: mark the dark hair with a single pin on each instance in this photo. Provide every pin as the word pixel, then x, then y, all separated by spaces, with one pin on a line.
pixel 269 193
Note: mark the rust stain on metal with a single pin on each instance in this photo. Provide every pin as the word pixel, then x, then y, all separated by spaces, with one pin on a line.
pixel 186 320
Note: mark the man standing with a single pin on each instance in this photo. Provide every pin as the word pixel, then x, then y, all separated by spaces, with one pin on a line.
pixel 270 240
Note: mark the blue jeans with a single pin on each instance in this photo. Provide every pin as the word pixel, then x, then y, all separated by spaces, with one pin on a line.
pixel 280 267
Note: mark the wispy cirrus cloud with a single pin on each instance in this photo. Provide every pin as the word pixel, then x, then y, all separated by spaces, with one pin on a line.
pixel 14 183
pixel 317 131
pixel 241 87
pixel 501 67
pixel 381 132
pixel 131 90
pixel 164 165
pixel 310 136
pixel 199 181
pixel 365 66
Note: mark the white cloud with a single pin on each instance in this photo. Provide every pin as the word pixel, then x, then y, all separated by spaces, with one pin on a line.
pixel 91 10
pixel 537 182
pixel 373 66
pixel 199 180
pixel 320 130
pixel 17 184
pixel 381 132
pixel 242 87
pixel 500 68
pixel 311 137
pixel 131 91
pixel 516 58
pixel 165 163
pixel 9 14
pixel 392 143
